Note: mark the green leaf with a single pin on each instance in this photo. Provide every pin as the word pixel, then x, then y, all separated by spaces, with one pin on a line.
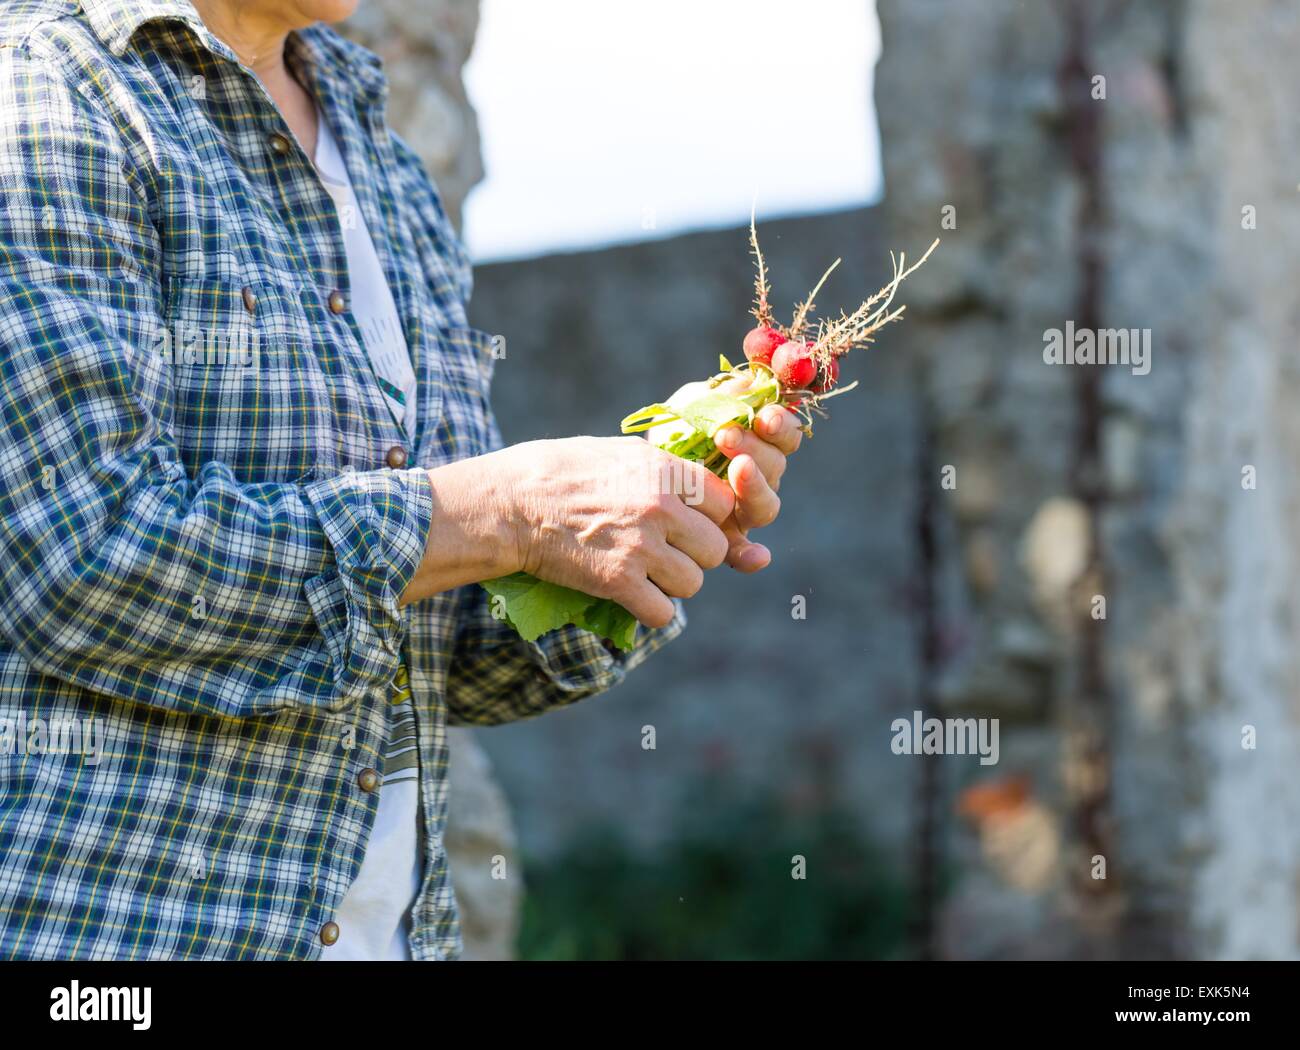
pixel 608 619
pixel 645 418
pixel 714 410
pixel 533 607
pixel 723 364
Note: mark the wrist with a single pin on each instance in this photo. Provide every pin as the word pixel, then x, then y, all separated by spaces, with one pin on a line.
pixel 473 534
pixel 494 486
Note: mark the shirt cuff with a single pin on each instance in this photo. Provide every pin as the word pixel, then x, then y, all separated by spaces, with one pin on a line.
pixel 578 662
pixel 377 523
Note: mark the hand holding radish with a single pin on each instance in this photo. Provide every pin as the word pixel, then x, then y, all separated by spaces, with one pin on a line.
pixel 614 518
pixel 757 461
pixel 605 563
pixel 617 518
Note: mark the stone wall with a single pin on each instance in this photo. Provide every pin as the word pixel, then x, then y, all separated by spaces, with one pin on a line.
pixel 1121 211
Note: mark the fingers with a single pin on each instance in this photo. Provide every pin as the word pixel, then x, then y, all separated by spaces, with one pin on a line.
pixel 780 427
pixel 692 533
pixel 647 603
pixel 669 572
pixel 737 441
pixel 756 504
pixel 702 490
pixel 675 574
pixel 742 555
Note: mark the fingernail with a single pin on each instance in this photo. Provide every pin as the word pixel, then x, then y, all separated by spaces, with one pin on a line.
pixel 729 438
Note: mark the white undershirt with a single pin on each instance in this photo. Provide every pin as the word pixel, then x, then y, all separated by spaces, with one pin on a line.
pixel 373 919
pixel 371 299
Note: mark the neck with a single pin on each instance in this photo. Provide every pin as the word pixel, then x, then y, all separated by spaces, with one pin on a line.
pixel 255 35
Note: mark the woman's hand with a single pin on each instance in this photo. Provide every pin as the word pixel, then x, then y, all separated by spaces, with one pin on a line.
pixel 618 518
pixel 758 459
pixel 611 517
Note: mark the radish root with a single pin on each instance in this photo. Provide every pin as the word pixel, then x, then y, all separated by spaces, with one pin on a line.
pixel 835 336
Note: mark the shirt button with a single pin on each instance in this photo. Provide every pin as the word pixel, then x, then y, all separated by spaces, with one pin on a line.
pixel 250 300
pixel 337 303
pixel 279 144
pixel 396 457
pixel 329 933
pixel 368 780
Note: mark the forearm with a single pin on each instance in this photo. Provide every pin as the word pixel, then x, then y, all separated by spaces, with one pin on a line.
pixel 472 536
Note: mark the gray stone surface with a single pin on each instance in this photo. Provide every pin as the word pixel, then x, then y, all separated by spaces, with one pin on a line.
pixel 481 852
pixel 1200 637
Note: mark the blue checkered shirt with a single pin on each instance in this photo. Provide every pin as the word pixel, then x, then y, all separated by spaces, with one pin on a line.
pixel 207 511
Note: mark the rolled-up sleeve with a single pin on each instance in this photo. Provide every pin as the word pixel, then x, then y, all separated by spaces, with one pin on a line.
pixel 376 524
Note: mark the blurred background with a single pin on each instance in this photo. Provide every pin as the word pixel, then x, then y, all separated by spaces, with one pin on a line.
pixel 950 530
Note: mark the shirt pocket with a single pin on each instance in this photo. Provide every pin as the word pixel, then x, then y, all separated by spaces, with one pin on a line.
pixel 467 359
pixel 248 387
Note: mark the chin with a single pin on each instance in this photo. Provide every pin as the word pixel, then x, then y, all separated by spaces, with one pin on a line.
pixel 328 11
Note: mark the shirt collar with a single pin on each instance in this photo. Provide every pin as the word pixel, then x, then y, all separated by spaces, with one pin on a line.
pixel 115 21
pixel 318 54
pixel 310 50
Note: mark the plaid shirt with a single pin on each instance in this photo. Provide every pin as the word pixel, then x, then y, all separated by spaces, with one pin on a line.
pixel 206 510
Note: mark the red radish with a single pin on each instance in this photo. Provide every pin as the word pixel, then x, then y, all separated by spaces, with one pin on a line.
pixel 760 343
pixel 794 365
pixel 828 378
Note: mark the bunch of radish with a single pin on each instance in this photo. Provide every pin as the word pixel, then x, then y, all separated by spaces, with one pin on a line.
pixel 795 365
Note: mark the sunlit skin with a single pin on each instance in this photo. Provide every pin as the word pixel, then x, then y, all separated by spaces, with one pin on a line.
pixel 586 512
pixel 256 33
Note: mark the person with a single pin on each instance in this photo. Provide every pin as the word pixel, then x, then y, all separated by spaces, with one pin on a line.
pixel 249 476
